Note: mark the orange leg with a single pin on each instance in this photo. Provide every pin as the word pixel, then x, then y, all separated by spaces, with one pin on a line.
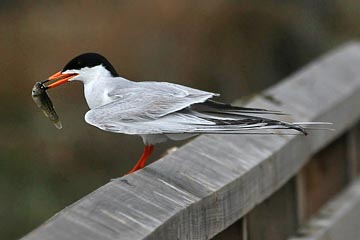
pixel 143 159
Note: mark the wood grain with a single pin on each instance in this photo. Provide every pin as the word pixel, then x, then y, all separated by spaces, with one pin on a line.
pixel 338 219
pixel 275 218
pixel 324 176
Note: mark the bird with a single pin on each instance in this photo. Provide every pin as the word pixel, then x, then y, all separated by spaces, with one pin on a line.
pixel 158 111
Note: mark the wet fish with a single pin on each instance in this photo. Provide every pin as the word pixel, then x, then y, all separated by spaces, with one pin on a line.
pixel 43 101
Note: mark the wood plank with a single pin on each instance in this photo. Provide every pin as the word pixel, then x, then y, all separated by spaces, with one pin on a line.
pixel 353 138
pixel 338 219
pixel 351 147
pixel 325 175
pixel 276 217
pixel 210 183
pixel 236 231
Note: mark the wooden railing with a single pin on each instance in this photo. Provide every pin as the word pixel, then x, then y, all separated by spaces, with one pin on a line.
pixel 242 186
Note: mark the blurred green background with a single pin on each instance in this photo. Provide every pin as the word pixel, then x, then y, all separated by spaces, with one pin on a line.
pixel 233 47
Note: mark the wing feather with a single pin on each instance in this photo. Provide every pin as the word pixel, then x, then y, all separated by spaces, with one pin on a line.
pixel 166 108
pixel 151 100
pixel 183 121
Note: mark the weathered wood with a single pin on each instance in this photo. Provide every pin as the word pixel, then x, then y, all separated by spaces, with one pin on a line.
pixel 338 219
pixel 276 217
pixel 237 231
pixel 213 181
pixel 353 141
pixel 351 147
pixel 325 175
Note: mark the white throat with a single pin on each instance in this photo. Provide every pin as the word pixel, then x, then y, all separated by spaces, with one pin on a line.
pixel 92 78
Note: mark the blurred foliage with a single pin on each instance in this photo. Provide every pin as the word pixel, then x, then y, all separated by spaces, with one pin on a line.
pixel 232 47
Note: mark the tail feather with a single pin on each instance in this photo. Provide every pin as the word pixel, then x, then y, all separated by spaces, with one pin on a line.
pixel 226 118
pixel 250 123
pixel 211 106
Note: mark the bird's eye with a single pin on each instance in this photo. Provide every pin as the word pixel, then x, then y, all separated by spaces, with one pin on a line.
pixel 79 63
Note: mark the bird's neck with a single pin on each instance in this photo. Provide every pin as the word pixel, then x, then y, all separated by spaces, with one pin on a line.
pixel 94 80
pixel 97 91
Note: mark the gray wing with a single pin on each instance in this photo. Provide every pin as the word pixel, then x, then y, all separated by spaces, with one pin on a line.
pixel 165 108
pixel 143 103
pixel 152 100
pixel 108 117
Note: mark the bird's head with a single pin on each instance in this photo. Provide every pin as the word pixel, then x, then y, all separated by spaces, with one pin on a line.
pixel 82 68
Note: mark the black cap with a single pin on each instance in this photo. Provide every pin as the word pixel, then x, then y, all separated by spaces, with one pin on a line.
pixel 90 60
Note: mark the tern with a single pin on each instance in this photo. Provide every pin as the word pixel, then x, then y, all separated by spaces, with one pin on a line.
pixel 157 111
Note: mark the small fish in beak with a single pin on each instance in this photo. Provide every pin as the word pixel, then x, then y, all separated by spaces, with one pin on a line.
pixel 43 101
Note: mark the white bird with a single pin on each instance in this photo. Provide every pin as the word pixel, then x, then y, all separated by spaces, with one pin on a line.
pixel 157 111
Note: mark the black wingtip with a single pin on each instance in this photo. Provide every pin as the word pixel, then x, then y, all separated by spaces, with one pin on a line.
pixel 301 129
pixel 295 127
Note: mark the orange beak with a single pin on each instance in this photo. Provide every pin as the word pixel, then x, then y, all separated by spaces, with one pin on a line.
pixel 60 79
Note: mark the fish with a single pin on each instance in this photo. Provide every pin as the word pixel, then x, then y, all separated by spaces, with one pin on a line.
pixel 44 102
